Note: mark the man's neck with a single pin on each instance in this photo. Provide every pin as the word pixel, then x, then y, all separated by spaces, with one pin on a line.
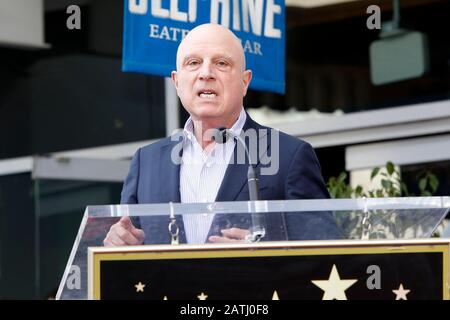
pixel 203 130
pixel 203 133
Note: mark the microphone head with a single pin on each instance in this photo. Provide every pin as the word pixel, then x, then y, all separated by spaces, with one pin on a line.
pixel 221 135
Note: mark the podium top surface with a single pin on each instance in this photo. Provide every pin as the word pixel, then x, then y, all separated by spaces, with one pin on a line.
pixel 236 207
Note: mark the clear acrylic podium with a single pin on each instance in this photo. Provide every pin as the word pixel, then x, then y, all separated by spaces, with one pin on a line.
pixel 267 223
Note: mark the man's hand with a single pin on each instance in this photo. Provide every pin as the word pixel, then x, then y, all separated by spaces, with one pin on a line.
pixel 232 235
pixel 123 233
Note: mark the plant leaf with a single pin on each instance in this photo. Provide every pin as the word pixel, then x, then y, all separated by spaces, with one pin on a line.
pixel 390 168
pixel 358 190
pixel 386 184
pixel 404 189
pixel 374 173
pixel 422 184
pixel 342 177
pixel 434 183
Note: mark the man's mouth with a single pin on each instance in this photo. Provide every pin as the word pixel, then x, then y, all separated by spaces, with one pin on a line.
pixel 208 94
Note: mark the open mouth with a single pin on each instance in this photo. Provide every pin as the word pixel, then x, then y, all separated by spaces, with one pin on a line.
pixel 207 93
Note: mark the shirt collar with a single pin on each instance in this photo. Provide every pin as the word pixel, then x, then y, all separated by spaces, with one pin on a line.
pixel 236 129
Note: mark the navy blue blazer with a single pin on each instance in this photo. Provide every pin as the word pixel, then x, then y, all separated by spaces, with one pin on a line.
pixel 154 178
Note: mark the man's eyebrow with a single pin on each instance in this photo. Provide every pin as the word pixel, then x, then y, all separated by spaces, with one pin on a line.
pixel 186 58
pixel 219 56
pixel 222 56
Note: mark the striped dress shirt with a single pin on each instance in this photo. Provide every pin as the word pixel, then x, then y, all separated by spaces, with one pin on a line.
pixel 201 174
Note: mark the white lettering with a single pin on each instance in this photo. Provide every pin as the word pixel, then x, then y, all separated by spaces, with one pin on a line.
pixel 165 33
pixel 252 8
pixel 374 21
pixel 175 33
pixel 250 11
pixel 374 281
pixel 154 30
pixel 208 311
pixel 74 278
pixel 269 30
pixel 158 11
pixel 175 14
pixel 192 10
pixel 225 18
pixel 257 48
pixel 184 33
pixel 252 47
pixel 138 6
pixel 73 21
pixel 248 46
pixel 236 17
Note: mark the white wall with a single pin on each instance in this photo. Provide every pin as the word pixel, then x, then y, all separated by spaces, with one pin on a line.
pixel 22 23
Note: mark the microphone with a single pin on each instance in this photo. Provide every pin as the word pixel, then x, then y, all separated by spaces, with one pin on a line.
pixel 221 135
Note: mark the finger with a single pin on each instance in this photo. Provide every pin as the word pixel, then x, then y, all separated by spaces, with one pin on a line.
pixel 138 234
pixel 112 240
pixel 126 223
pixel 235 233
pixel 217 239
pixel 126 236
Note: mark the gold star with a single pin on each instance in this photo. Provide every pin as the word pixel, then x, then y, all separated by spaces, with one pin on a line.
pixel 400 293
pixel 334 287
pixel 202 296
pixel 275 295
pixel 139 287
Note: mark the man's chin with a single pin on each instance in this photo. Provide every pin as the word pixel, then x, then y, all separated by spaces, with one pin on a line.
pixel 208 111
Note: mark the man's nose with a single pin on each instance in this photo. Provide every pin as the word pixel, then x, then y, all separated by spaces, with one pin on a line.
pixel 206 71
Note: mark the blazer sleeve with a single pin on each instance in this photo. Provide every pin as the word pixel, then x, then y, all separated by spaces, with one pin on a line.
pixel 305 182
pixel 304 179
pixel 130 185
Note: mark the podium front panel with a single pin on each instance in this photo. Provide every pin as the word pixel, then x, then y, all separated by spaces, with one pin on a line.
pixel 369 270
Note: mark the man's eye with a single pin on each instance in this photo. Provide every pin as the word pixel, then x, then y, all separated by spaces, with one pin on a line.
pixel 193 63
pixel 222 63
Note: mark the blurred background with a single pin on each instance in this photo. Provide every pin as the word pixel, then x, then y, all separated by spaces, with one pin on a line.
pixel 70 119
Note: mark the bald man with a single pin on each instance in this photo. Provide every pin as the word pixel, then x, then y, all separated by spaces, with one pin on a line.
pixel 211 81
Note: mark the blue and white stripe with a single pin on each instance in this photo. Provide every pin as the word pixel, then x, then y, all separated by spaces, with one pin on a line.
pixel 201 174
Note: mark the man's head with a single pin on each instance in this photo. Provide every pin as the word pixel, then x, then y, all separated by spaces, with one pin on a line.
pixel 211 79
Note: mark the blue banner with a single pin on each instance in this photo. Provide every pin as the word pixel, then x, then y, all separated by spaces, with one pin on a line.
pixel 153 30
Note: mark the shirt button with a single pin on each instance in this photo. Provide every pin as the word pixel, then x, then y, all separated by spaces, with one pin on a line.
pixel 208 164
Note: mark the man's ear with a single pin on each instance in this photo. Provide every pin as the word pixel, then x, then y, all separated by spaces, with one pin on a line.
pixel 175 79
pixel 246 77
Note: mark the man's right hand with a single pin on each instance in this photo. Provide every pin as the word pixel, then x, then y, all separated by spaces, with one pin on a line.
pixel 123 233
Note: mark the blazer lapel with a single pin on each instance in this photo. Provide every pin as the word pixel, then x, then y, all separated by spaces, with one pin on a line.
pixel 169 171
pixel 234 180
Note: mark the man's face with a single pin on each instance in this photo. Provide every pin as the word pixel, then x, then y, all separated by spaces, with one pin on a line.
pixel 210 77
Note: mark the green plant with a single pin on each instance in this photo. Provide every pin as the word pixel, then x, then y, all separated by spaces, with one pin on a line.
pixel 428 183
pixel 339 188
pixel 384 223
pixel 391 184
